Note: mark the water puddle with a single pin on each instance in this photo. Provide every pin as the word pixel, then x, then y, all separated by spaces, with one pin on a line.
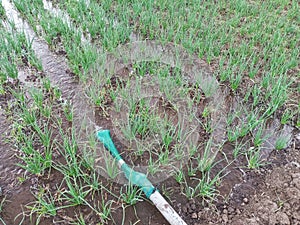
pixel 22 76
pixel 273 131
pixel 61 14
pixel 133 37
pixel 54 66
pixel 8 170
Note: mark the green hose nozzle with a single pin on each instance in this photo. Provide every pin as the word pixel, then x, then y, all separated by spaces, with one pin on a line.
pixel 133 176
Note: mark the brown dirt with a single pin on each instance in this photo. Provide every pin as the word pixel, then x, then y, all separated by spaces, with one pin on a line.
pixel 13 191
pixel 269 195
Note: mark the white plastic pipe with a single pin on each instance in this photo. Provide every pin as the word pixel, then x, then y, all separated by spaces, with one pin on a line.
pixel 166 210
pixel 141 180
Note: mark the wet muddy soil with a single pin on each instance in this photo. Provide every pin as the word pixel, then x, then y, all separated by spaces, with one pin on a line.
pixel 268 195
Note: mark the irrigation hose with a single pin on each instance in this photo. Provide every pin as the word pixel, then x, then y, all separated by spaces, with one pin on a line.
pixel 140 180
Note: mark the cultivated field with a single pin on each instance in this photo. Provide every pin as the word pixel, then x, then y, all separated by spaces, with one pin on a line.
pixel 202 96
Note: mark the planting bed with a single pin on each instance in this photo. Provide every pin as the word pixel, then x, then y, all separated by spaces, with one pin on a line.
pixel 204 99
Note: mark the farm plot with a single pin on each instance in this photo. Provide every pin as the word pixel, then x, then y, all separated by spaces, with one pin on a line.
pixel 203 98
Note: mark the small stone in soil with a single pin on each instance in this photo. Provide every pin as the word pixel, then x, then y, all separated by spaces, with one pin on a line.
pixel 245 200
pixel 194 216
